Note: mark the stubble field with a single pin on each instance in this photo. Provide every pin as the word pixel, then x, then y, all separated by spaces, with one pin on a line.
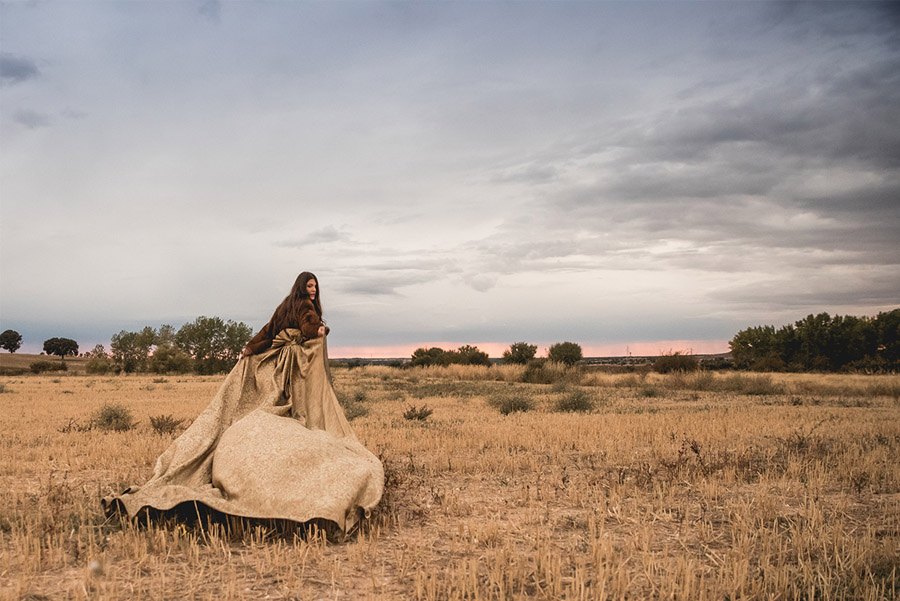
pixel 699 486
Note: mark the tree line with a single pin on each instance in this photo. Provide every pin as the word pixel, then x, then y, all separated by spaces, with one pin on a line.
pixel 822 343
pixel 568 353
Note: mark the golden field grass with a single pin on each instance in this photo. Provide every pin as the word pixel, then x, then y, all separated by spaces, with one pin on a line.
pixel 22 361
pixel 700 486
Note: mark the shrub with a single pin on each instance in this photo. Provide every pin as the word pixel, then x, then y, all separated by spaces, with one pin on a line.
pixel 520 352
pixel 4 389
pixel 42 366
pixel 170 359
pixel 423 357
pixel 164 424
pixel 541 371
pixel 113 417
pixel 353 406
pixel 675 362
pixel 470 355
pixel 511 403
pixel 577 401
pixel 567 353
pixel 98 365
pixel 417 413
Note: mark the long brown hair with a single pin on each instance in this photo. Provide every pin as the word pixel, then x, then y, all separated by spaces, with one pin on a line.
pixel 288 311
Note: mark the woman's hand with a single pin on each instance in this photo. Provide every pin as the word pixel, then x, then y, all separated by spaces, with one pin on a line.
pixel 321 331
pixel 246 352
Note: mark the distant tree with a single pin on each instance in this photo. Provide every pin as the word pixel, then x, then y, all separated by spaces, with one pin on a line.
pixel 214 344
pixel 168 359
pixel 131 350
pixel 470 355
pixel 98 362
pixel 520 352
pixel 423 357
pixel 821 343
pixel 10 340
pixel 568 353
pixel 61 347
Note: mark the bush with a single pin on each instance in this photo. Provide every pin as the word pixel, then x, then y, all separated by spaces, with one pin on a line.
pixel 577 401
pixel 113 417
pixel 423 357
pixel 353 406
pixel 520 352
pixel 541 371
pixel 42 366
pixel 164 424
pixel 675 362
pixel 567 353
pixel 171 360
pixel 417 413
pixel 98 365
pixel 511 403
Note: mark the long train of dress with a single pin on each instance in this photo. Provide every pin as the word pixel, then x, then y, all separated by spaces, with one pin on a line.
pixel 273 443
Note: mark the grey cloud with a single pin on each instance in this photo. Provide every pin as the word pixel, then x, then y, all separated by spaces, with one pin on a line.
pixel 31 119
pixel 16 69
pixel 325 235
pixel 211 9
pixel 816 289
pixel 385 283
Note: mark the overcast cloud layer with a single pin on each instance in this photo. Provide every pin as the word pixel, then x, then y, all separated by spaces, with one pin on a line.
pixel 607 173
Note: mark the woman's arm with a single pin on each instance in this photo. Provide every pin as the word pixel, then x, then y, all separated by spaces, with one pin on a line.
pixel 311 325
pixel 260 342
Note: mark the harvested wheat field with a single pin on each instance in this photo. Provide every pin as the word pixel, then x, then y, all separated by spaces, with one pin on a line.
pixel 593 486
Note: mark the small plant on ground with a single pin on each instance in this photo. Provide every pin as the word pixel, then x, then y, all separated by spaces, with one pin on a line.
pixel 511 403
pixel 4 389
pixel 164 424
pixel 417 413
pixel 113 417
pixel 577 401
pixel 354 406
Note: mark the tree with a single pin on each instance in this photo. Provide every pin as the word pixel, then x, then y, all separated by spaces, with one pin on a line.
pixel 97 361
pixel 61 347
pixel 214 344
pixel 568 353
pixel 131 350
pixel 520 352
pixel 470 355
pixel 423 357
pixel 10 340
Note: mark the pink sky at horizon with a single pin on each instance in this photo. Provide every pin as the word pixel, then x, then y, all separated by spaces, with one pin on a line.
pixel 495 349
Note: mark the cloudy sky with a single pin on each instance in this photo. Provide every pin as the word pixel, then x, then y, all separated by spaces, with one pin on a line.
pixel 626 175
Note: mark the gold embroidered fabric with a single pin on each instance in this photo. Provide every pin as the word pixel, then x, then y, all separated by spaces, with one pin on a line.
pixel 273 443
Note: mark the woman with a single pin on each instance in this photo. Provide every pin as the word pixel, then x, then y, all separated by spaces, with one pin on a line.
pixel 274 442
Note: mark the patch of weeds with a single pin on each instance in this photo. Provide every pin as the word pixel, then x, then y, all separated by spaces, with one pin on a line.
pixel 164 424
pixel 511 403
pixel 651 392
pixel 113 417
pixel 354 405
pixel 751 385
pixel 4 389
pixel 160 380
pixel 417 413
pixel 75 426
pixel 577 401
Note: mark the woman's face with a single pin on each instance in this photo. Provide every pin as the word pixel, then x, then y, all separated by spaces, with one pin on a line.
pixel 311 289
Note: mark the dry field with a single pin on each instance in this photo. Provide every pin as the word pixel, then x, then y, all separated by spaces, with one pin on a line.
pixel 725 486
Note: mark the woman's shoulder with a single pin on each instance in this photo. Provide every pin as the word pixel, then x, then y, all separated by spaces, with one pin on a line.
pixel 306 305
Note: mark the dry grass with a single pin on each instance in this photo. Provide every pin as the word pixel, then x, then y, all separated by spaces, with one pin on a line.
pixel 673 487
